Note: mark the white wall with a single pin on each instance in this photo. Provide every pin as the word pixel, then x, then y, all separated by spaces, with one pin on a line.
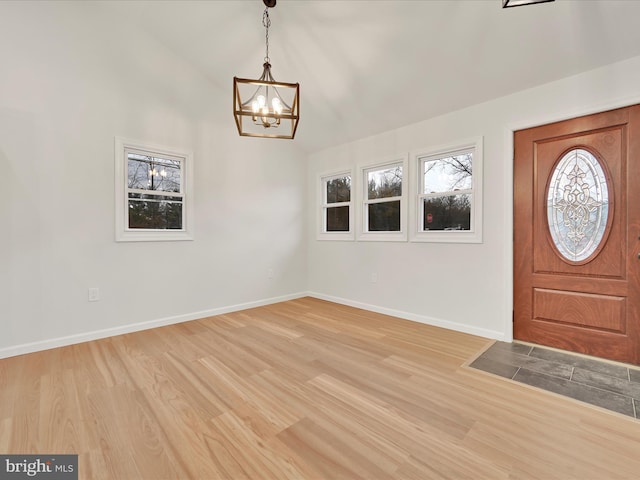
pixel 71 78
pixel 466 287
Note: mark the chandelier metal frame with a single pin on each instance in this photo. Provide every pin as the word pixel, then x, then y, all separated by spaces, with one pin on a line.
pixel 268 111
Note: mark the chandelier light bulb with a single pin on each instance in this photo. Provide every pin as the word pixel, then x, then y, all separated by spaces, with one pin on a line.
pixel 261 101
pixel 277 105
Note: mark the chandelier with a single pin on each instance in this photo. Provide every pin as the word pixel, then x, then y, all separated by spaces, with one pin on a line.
pixel 264 107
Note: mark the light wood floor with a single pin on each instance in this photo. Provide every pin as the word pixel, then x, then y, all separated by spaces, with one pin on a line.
pixel 303 389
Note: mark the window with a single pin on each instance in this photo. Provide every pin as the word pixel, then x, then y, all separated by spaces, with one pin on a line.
pixel 336 216
pixel 152 193
pixel 448 194
pixel 384 204
pixel 446 191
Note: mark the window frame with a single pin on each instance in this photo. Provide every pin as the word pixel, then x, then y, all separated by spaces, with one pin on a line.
pixel 382 236
pixel 418 158
pixel 122 231
pixel 322 233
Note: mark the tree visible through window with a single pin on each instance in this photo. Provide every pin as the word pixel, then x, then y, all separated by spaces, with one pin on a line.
pixel 337 198
pixel 382 203
pixel 154 191
pixel 447 192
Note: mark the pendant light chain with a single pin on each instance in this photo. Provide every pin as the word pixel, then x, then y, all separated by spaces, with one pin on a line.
pixel 266 22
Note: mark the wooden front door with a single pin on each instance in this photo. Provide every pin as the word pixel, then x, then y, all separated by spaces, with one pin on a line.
pixel 577 235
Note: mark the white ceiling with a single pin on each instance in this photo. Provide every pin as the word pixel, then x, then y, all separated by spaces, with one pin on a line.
pixel 367 66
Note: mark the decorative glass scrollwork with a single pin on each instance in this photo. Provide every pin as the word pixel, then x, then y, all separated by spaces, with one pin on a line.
pixel 578 205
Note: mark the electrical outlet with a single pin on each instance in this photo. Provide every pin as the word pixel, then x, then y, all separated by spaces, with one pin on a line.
pixel 94 294
pixel 374 277
pixel 270 273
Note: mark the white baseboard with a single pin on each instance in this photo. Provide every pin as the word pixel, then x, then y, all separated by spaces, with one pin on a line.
pixel 136 327
pixel 436 322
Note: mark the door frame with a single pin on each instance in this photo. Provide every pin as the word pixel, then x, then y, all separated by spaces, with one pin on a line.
pixel 508 146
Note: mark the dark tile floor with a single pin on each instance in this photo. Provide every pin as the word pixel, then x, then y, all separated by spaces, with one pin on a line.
pixel 608 385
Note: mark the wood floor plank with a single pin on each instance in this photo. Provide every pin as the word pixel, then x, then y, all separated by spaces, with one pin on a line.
pixel 332 456
pixel 396 420
pixel 189 387
pixel 304 389
pixel 246 391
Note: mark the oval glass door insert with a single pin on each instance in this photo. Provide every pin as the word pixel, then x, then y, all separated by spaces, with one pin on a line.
pixel 578 205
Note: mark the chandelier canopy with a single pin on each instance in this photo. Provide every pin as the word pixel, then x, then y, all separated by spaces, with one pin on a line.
pixel 264 107
pixel 519 3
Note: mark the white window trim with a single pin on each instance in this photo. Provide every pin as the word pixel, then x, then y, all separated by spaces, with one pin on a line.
pixel 361 189
pixel 322 234
pixel 123 233
pixel 463 236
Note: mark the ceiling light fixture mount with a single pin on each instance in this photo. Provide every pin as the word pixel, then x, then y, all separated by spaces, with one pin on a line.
pixel 520 3
pixel 264 107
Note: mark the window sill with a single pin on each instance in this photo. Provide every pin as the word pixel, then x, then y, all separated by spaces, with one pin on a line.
pixel 383 237
pixel 337 236
pixel 447 237
pixel 154 236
